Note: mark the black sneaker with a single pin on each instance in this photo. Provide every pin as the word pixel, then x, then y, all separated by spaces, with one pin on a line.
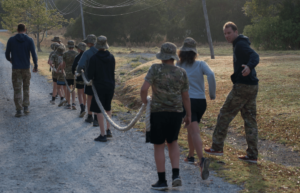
pixel 108 133
pixel 101 138
pixel 189 160
pixel 89 119
pixel 176 181
pixel 95 123
pixel 68 106
pixel 204 168
pixel 26 110
pixel 18 113
pixel 160 185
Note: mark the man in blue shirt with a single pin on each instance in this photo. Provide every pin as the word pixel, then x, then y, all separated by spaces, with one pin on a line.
pixel 18 54
pixel 84 64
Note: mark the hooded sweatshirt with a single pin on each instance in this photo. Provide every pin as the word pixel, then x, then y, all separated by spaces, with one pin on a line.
pixel 102 70
pixel 18 51
pixel 244 54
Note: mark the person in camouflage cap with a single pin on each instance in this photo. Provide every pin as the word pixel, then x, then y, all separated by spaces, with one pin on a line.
pixel 56 60
pixel 57 40
pixel 242 97
pixel 81 47
pixel 84 64
pixel 68 59
pixel 170 88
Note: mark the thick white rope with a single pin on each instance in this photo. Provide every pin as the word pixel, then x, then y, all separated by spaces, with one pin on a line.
pixel 68 87
pixel 106 116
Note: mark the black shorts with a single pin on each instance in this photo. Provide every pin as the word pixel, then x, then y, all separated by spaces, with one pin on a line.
pixel 198 108
pixel 88 90
pixel 54 79
pixel 70 82
pixel 165 126
pixel 105 96
pixel 80 86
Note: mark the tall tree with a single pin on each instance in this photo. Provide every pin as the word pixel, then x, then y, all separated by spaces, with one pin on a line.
pixel 34 15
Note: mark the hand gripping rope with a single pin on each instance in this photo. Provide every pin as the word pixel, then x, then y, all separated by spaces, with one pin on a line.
pixel 135 119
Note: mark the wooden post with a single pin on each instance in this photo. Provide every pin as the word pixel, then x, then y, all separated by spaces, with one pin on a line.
pixel 208 30
pixel 82 19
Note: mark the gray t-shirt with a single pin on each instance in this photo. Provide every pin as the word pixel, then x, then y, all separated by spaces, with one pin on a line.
pixel 195 74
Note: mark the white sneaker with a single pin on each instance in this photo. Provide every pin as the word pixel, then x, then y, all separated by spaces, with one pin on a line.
pixel 62 102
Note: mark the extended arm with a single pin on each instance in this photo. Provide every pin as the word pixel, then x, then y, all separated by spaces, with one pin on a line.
pixel 8 50
pixel 187 106
pixel 81 62
pixel 211 80
pixel 144 91
pixel 33 54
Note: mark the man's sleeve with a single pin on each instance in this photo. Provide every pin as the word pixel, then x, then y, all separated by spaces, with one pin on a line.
pixel 185 86
pixel 33 54
pixel 244 48
pixel 8 50
pixel 81 62
pixel 91 69
pixel 150 74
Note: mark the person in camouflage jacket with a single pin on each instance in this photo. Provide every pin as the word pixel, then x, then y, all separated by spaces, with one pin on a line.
pixel 68 59
pixel 56 60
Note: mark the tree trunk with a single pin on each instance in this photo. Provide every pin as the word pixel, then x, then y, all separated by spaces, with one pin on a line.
pixel 208 30
pixel 38 44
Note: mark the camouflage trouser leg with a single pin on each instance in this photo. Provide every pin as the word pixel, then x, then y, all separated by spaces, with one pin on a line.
pixel 21 79
pixel 241 98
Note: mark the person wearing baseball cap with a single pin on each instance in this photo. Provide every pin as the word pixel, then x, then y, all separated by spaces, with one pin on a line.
pixel 195 71
pixel 81 47
pixel 102 71
pixel 84 64
pixel 170 88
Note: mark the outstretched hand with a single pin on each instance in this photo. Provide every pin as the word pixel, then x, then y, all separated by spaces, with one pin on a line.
pixel 246 70
pixel 34 70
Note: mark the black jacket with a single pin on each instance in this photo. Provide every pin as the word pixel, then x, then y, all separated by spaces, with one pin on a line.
pixel 75 64
pixel 102 70
pixel 244 54
pixel 18 51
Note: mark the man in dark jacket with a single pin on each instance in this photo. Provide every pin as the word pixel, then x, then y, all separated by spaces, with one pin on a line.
pixel 18 53
pixel 241 98
pixel 102 71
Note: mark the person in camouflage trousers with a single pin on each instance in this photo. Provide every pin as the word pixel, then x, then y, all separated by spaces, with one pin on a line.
pixel 18 51
pixel 170 88
pixel 56 60
pixel 68 59
pixel 242 97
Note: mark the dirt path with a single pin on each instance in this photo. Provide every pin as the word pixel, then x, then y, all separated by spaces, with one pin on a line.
pixel 52 150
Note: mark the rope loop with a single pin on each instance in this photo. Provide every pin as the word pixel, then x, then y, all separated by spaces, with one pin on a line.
pixel 106 116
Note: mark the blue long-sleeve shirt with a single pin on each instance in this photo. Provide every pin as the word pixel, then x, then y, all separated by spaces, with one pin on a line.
pixel 84 60
pixel 18 51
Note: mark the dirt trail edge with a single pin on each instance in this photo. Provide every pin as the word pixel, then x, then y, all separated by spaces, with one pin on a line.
pixel 52 150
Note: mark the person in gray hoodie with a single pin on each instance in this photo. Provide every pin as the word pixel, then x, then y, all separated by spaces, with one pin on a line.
pixel 18 51
pixel 195 71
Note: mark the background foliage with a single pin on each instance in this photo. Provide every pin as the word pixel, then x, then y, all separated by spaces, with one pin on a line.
pixel 276 23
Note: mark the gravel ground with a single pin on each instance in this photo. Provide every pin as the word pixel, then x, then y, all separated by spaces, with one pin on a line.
pixel 52 150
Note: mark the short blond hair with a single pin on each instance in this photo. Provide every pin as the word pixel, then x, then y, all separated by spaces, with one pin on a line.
pixel 230 24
